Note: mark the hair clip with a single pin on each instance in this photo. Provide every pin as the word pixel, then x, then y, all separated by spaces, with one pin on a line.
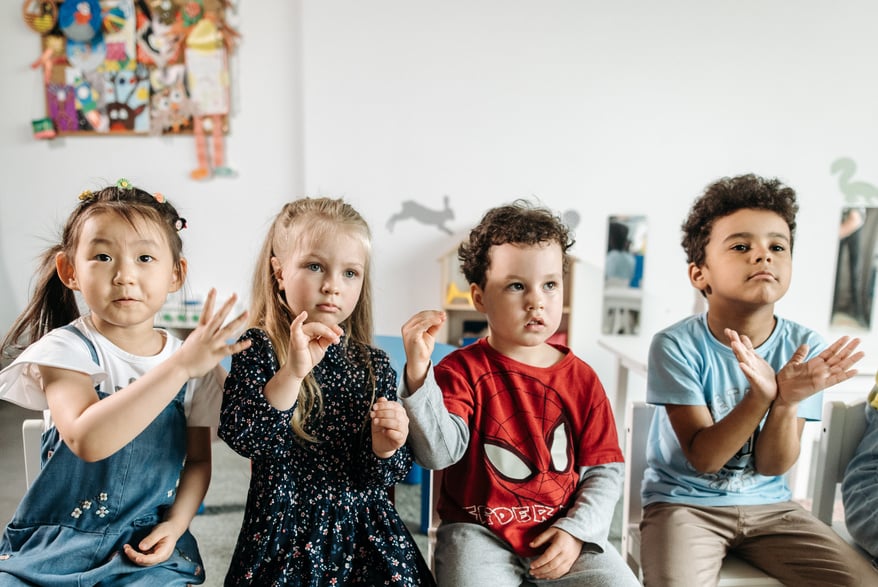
pixel 123 183
pixel 159 197
pixel 85 195
pixel 180 224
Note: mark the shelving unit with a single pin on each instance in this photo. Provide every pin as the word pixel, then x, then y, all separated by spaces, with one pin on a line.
pixel 460 326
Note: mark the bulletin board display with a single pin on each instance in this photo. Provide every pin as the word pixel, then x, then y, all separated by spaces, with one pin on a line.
pixel 133 67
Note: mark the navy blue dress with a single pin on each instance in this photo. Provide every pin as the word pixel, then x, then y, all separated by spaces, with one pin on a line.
pixel 317 513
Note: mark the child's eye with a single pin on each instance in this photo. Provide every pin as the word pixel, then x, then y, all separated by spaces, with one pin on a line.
pixel 550 285
pixel 146 258
pixel 516 286
pixel 778 248
pixel 350 274
pixel 103 257
pixel 313 267
pixel 741 247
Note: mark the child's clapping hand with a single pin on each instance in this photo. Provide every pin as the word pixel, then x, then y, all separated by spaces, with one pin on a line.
pixel 390 427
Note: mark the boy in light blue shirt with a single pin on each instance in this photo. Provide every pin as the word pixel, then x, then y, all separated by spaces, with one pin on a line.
pixel 734 388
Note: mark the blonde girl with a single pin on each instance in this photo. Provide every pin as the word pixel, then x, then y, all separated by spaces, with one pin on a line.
pixel 126 455
pixel 313 405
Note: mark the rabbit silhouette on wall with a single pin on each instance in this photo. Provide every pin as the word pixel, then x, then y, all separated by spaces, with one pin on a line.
pixel 417 211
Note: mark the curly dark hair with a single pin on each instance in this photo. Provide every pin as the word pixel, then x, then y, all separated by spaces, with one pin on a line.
pixel 728 195
pixel 515 223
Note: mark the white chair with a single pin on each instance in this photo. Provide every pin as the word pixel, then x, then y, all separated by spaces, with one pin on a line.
pixel 430 496
pixel 31 436
pixel 734 573
pixel 843 428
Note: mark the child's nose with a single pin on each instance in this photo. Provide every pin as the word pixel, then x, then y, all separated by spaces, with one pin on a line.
pixel 329 286
pixel 124 273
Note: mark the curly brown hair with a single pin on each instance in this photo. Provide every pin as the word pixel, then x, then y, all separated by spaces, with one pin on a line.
pixel 728 195
pixel 518 223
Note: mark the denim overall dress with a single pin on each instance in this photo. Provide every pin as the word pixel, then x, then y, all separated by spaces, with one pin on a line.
pixel 70 526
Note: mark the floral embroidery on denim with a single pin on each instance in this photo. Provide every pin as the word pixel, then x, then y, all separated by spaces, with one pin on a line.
pixel 86 504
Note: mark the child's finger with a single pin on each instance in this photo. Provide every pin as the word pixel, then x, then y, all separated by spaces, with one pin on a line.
pixel 207 309
pixel 216 321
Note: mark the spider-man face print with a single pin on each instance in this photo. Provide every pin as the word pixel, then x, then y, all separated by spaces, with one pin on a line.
pixel 527 441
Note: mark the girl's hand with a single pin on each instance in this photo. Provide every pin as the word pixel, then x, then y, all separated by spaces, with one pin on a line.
pixel 757 370
pixel 208 344
pixel 156 548
pixel 308 344
pixel 419 338
pixel 390 427
pixel 799 380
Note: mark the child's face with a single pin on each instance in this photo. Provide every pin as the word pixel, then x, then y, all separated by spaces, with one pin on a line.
pixel 523 297
pixel 748 260
pixel 323 277
pixel 124 274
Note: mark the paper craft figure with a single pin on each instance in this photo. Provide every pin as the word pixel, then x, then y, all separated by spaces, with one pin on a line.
pixel 40 15
pixel 208 80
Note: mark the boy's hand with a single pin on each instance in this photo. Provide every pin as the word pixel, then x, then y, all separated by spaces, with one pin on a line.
pixel 757 370
pixel 419 338
pixel 562 551
pixel 207 344
pixel 308 344
pixel 799 380
pixel 390 427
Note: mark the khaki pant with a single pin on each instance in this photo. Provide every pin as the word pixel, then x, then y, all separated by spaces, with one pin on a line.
pixel 684 546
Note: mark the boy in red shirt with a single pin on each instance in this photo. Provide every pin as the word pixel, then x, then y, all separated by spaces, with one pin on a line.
pixel 522 427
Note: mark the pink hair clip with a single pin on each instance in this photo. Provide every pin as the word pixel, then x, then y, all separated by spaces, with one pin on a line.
pixel 159 197
pixel 180 224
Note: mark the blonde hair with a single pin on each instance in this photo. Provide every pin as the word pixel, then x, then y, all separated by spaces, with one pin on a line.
pixel 297 221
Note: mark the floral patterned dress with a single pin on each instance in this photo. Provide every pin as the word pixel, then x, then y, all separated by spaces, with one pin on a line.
pixel 317 513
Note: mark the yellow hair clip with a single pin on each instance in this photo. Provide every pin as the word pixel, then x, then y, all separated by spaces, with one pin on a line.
pixel 85 195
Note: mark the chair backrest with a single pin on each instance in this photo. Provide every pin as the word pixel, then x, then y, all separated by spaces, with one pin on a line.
pixel 31 436
pixel 843 428
pixel 637 422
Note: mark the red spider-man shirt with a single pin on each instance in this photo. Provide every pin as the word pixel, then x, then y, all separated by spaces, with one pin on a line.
pixel 532 428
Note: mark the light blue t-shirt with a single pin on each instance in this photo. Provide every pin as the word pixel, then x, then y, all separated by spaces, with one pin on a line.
pixel 688 366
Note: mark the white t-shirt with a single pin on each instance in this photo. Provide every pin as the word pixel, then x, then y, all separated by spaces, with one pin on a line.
pixel 21 383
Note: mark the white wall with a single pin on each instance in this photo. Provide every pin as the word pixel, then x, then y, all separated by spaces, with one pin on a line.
pixel 606 108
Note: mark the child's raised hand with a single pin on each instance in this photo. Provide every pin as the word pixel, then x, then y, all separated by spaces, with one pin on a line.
pixel 208 344
pixel 799 380
pixel 419 338
pixel 757 370
pixel 562 551
pixel 308 344
pixel 390 427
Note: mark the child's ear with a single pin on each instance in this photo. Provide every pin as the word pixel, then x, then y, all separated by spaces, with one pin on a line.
pixel 477 294
pixel 66 271
pixel 277 271
pixel 698 278
pixel 179 277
